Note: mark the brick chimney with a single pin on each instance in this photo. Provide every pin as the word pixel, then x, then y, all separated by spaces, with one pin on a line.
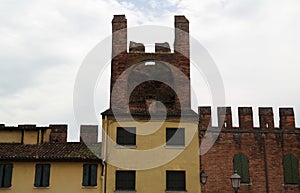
pixel 58 133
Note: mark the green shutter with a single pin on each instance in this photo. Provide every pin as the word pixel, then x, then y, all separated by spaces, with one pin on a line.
pixel 7 175
pixel 1 174
pixel 295 170
pixel 45 175
pixel 245 169
pixel 291 172
pixel 93 172
pixel 38 175
pixel 240 162
pixel 85 178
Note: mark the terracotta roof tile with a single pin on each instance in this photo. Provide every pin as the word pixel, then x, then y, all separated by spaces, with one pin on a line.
pixel 72 151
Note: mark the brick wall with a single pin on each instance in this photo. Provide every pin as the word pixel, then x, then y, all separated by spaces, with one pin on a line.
pixel 265 147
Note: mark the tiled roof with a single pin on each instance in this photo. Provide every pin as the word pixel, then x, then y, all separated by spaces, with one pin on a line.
pixel 71 151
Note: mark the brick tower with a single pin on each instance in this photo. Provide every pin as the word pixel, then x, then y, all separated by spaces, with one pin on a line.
pixel 150 139
pixel 137 67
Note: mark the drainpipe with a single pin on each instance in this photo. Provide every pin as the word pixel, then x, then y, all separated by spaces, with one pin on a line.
pixel 266 163
pixel 104 155
pixel 103 177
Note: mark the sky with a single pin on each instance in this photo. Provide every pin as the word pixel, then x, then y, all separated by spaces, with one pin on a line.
pixel 254 43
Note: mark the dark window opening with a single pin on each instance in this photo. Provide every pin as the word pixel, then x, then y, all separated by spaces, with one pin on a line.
pixel 89 175
pixel 175 181
pixel 5 175
pixel 175 137
pixel 126 136
pixel 125 180
pixel 241 165
pixel 42 174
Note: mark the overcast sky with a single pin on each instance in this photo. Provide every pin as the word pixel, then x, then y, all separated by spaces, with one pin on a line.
pixel 254 43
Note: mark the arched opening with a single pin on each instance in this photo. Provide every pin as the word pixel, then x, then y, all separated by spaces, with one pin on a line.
pixel 157 87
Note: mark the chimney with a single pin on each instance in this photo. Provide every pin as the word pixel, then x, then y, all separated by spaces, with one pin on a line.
pixel 58 133
pixel 266 117
pixel 30 134
pixel 89 134
pixel 182 38
pixel 119 35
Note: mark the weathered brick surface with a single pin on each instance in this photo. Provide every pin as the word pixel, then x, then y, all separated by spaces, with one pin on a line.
pixel 264 147
pixel 58 133
pixel 124 63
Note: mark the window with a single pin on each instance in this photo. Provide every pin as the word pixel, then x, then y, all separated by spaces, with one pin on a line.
pixel 89 175
pixel 5 175
pixel 241 165
pixel 176 181
pixel 175 137
pixel 125 180
pixel 126 136
pixel 291 169
pixel 42 174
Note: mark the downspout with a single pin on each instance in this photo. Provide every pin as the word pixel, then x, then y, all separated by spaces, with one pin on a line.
pixel 266 163
pixel 104 155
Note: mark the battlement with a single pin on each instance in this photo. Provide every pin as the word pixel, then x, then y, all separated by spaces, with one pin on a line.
pixel 245 117
pixel 119 38
pixel 135 61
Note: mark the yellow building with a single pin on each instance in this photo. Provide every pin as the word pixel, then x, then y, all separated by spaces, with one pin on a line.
pixel 39 159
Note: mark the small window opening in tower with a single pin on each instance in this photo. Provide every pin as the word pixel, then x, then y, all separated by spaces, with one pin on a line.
pixel 267 125
pixel 150 48
pixel 150 63
pixel 225 124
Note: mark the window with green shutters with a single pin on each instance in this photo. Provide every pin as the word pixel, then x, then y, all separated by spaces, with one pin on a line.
pixel 89 175
pixel 241 165
pixel 5 175
pixel 291 169
pixel 42 175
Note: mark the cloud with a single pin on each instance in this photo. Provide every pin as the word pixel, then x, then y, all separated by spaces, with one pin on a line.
pixel 42 44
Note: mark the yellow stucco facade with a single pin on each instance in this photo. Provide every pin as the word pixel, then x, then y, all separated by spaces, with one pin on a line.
pixel 151 157
pixel 65 177
pixel 10 136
